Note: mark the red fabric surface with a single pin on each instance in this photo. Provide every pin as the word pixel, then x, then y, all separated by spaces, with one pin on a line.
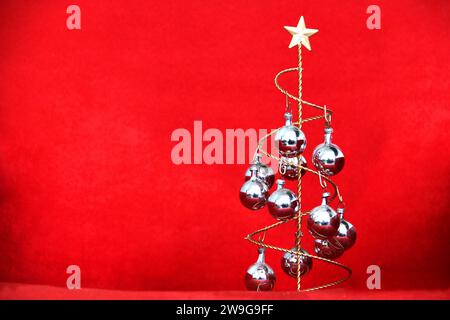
pixel 32 292
pixel 86 118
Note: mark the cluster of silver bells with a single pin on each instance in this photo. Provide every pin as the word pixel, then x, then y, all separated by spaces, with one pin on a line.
pixel 290 142
pixel 261 277
pixel 333 234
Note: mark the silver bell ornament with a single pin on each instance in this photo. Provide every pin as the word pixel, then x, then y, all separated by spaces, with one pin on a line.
pixel 290 140
pixel 263 172
pixel 259 276
pixel 328 157
pixel 254 192
pixel 283 203
pixel 323 221
pixel 346 233
pixel 289 167
pixel 324 249
pixel 289 263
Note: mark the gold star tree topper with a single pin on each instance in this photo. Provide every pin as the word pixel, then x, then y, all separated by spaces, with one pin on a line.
pixel 300 34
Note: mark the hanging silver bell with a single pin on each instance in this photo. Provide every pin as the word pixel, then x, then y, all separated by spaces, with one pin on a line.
pixel 324 249
pixel 328 157
pixel 283 203
pixel 289 167
pixel 260 276
pixel 254 192
pixel 346 233
pixel 263 172
pixel 290 140
pixel 323 221
pixel 289 263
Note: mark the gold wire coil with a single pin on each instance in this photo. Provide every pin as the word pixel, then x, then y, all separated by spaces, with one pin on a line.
pixel 328 111
pixel 260 242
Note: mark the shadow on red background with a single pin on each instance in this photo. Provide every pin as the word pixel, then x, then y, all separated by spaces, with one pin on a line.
pixel 86 118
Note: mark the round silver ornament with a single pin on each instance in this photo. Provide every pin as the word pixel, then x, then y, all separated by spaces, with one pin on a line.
pixel 263 172
pixel 328 157
pixel 324 249
pixel 290 140
pixel 289 263
pixel 254 192
pixel 346 233
pixel 260 276
pixel 323 221
pixel 289 167
pixel 283 203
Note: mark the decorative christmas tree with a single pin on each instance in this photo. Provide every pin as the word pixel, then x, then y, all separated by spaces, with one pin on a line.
pixel 332 233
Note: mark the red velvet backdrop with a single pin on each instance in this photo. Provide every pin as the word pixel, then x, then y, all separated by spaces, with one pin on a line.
pixel 86 119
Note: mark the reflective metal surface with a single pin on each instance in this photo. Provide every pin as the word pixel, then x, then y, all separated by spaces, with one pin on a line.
pixel 254 192
pixel 289 263
pixel 288 167
pixel 290 140
pixel 328 157
pixel 283 203
pixel 260 276
pixel 323 249
pixel 346 235
pixel 323 221
pixel 263 172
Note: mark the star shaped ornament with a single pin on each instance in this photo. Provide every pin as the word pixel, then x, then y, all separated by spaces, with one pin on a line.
pixel 300 34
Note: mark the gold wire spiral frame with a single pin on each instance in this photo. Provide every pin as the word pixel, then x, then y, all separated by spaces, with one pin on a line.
pixel 296 98
pixel 260 242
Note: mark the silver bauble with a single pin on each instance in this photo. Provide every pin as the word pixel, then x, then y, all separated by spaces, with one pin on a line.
pixel 254 192
pixel 288 167
pixel 328 157
pixel 324 249
pixel 323 221
pixel 346 233
pixel 283 203
pixel 289 263
pixel 260 276
pixel 263 172
pixel 290 140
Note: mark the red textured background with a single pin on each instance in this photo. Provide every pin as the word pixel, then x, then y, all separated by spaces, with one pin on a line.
pixel 86 116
